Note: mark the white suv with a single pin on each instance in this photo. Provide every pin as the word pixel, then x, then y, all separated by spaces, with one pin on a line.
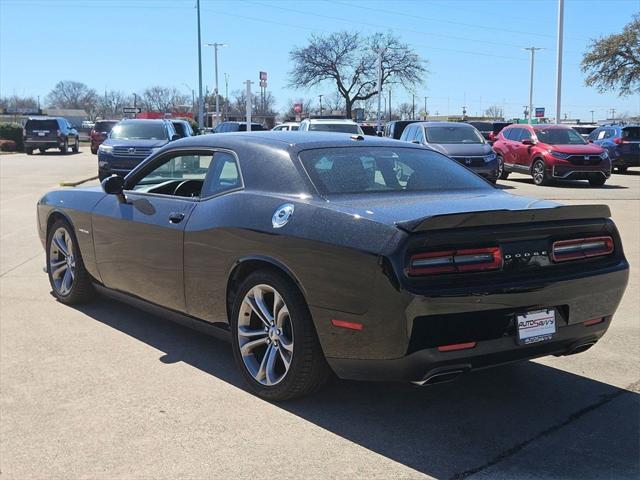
pixel 337 125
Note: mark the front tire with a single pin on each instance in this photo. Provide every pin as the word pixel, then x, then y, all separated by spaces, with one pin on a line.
pixel 70 281
pixel 275 344
pixel 65 148
pixel 502 173
pixel 597 180
pixel 539 173
pixel 76 146
pixel 622 169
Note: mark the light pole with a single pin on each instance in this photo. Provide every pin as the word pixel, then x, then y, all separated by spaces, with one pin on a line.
pixel 425 108
pixel 379 86
pixel 533 54
pixel 226 95
pixel 248 104
pixel 200 102
pixel 320 96
pixel 215 57
pixel 592 112
pixel 559 60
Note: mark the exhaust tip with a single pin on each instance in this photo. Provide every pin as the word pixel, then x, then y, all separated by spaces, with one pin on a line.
pixel 583 347
pixel 440 377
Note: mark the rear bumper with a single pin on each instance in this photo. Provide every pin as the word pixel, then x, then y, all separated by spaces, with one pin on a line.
pixel 388 346
pixel 427 363
pixel 627 161
pixel 46 143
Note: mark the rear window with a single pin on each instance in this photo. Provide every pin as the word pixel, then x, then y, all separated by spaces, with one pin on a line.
pixel 41 125
pixel 631 133
pixel 255 127
pixel 104 126
pixel 453 134
pixel 139 131
pixel 385 169
pixel 482 126
pixel 334 127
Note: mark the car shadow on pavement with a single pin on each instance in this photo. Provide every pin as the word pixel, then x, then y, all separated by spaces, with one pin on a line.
pixel 523 420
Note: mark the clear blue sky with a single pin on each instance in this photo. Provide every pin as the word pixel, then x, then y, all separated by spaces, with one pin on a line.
pixel 473 46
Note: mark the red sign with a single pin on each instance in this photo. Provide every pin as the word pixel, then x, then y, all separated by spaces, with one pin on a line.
pixel 297 107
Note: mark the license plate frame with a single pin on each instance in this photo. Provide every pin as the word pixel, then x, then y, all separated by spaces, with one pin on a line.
pixel 536 326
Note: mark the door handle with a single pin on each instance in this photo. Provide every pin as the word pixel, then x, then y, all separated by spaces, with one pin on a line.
pixel 176 217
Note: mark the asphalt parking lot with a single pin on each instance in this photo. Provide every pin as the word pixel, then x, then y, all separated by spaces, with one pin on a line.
pixel 105 391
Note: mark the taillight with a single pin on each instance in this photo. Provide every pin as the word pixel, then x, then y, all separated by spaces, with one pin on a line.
pixel 618 140
pixel 565 250
pixel 455 261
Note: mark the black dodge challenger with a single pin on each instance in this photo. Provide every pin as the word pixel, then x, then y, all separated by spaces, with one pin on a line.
pixel 371 258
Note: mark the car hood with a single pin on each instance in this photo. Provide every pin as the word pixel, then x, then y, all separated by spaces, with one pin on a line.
pixel 588 149
pixel 462 149
pixel 398 208
pixel 117 142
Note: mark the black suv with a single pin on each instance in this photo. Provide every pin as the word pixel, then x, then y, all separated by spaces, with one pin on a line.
pixel 237 127
pixel 182 128
pixel 50 132
pixel 395 128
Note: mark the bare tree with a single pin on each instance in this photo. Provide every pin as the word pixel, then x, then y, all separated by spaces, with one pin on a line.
pixel 238 103
pixel 404 111
pixel 110 105
pixel 494 111
pixel 163 99
pixel 17 103
pixel 73 95
pixel 349 60
pixel 307 107
pixel 613 62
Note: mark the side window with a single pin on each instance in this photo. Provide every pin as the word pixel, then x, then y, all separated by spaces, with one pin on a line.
pixel 594 135
pixel 602 134
pixel 182 176
pixel 512 134
pixel 408 133
pixel 223 176
pixel 525 134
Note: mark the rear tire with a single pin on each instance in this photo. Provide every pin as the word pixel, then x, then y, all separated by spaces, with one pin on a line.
pixel 28 151
pixel 539 173
pixel 70 282
pixel 42 150
pixel 76 146
pixel 622 169
pixel 502 173
pixel 278 354
pixel 597 180
pixel 65 148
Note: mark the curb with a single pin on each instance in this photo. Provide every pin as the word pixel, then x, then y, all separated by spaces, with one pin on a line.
pixel 75 184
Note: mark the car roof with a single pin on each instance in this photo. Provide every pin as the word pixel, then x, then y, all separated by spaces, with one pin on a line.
pixel 329 120
pixel 144 120
pixel 444 124
pixel 552 126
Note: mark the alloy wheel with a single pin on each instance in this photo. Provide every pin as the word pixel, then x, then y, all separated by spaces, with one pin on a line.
pixel 265 335
pixel 62 263
pixel 538 173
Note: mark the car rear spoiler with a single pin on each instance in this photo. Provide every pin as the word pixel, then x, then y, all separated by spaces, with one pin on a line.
pixel 504 217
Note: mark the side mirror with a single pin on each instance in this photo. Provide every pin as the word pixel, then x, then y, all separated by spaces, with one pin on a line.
pixel 527 141
pixel 114 185
pixel 175 136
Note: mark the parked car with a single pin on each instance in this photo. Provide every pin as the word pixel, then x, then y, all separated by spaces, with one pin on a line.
pixel 369 129
pixel 550 152
pixel 489 130
pixel 287 126
pixel 622 143
pixel 43 133
pixel 395 128
pixel 100 132
pixel 335 125
pixel 460 141
pixel 182 128
pixel 309 253
pixel 226 127
pixel 130 142
pixel 583 129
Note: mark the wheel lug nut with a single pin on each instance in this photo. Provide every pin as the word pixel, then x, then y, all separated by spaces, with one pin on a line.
pixel 279 332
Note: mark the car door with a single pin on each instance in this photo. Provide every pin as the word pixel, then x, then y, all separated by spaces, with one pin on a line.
pixel 523 152
pixel 139 242
pixel 511 145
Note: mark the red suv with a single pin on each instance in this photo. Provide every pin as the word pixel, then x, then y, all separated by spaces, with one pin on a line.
pixel 99 133
pixel 550 152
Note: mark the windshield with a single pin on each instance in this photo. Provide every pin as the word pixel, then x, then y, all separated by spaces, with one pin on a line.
pixel 139 131
pixel 453 134
pixel 559 136
pixel 334 127
pixel 385 169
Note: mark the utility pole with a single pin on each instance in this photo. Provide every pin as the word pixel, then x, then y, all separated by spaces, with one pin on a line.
pixel 592 111
pixel 135 104
pixel 378 124
pixel 320 96
pixel 533 54
pixel 464 112
pixel 425 108
pixel 390 104
pixel 226 95
pixel 200 102
pixel 559 60
pixel 413 106
pixel 248 103
pixel 215 46
pixel 613 113
pixel 526 112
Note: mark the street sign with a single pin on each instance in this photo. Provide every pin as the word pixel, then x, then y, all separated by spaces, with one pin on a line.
pixel 539 112
pixel 297 108
pixel 263 84
pixel 263 76
pixel 131 109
